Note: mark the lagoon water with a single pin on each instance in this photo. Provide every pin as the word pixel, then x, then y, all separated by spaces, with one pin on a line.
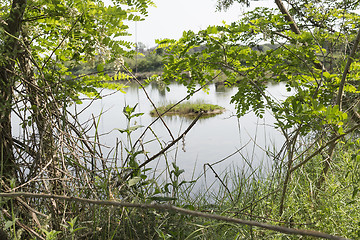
pixel 209 141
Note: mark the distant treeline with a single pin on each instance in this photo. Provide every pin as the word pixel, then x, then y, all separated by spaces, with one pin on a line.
pixel 145 62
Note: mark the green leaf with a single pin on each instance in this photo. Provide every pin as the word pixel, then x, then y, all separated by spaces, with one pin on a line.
pixel 100 67
pixel 134 181
pixel 133 128
pixel 130 129
pixel 355 191
pixel 8 224
pixel 190 207
pixel 341 130
pixel 212 30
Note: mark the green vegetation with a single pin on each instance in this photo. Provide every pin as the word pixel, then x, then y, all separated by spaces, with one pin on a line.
pixel 188 108
pixel 142 64
pixel 148 62
pixel 59 181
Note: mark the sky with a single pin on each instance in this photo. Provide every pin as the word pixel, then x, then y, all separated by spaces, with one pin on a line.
pixel 171 17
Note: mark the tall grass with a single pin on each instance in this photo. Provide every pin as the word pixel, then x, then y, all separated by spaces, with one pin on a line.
pixel 245 193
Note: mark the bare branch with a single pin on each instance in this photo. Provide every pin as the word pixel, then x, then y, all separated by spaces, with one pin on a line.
pixel 288 17
pixel 168 146
pixel 23 226
pixel 346 71
pixel 319 150
pixel 165 207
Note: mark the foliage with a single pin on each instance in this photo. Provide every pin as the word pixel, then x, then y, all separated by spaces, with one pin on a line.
pixel 314 89
pixel 315 58
pixel 129 113
pixel 150 63
pixel 143 65
pixel 225 4
pixel 314 180
pixel 41 43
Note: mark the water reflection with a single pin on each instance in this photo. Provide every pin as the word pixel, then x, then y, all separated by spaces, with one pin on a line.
pixel 209 141
pixel 220 87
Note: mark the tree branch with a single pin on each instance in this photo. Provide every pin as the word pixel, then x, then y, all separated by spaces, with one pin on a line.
pixel 294 27
pixel 324 146
pixel 346 71
pixel 165 207
pixel 288 17
pixel 168 146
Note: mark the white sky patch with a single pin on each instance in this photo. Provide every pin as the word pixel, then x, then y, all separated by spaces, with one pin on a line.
pixel 171 17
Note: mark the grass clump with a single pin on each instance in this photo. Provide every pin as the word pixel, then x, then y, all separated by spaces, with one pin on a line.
pixel 189 108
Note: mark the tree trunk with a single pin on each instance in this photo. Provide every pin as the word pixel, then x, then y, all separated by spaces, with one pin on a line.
pixel 43 112
pixel 7 83
pixel 6 153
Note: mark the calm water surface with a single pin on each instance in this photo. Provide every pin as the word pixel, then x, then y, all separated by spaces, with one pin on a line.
pixel 210 140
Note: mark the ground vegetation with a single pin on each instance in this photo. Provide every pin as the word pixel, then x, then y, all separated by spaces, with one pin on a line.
pixel 57 181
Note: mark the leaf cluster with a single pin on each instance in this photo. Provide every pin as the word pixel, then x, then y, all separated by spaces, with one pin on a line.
pixel 232 50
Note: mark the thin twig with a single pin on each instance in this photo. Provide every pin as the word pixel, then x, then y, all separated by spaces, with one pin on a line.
pixel 221 181
pixel 319 150
pixel 260 217
pixel 168 146
pixel 23 226
pixel 346 71
pixel 148 97
pixel 66 35
pixel 167 110
pixel 165 207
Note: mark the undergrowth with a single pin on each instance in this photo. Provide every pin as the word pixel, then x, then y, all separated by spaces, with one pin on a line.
pixel 245 193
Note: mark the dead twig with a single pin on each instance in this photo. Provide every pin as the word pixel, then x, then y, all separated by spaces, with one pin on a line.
pixel 167 147
pixel 165 207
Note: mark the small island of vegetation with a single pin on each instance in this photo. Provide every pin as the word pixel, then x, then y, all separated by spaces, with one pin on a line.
pixel 189 109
